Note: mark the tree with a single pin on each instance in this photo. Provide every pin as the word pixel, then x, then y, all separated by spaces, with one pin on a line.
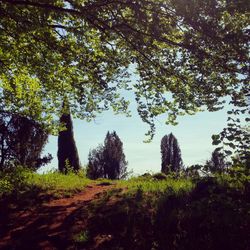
pixel 115 166
pixel 235 138
pixel 67 152
pixel 217 162
pixel 108 161
pixel 21 142
pixel 170 154
pixel 193 51
pixel 95 168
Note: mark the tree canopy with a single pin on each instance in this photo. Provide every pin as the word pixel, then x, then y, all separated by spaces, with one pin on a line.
pixel 188 55
pixel 115 166
pixel 217 163
pixel 21 142
pixel 171 160
pixel 95 167
pixel 108 160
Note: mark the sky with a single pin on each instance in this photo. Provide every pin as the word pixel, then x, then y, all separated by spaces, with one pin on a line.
pixel 193 134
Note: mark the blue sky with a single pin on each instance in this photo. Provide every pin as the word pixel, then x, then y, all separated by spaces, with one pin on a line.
pixel 193 134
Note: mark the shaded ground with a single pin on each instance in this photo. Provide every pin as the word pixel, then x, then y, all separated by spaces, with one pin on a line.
pixel 117 221
pixel 211 216
pixel 45 226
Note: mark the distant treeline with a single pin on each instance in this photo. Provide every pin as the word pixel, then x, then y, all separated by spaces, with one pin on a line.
pixel 22 141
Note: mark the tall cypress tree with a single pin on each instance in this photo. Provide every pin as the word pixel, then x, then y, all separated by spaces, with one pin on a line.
pixel 171 154
pixel 67 152
pixel 115 164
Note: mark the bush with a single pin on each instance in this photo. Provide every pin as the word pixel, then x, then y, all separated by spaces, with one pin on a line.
pixel 5 187
pixel 160 176
pixel 13 180
pixel 212 216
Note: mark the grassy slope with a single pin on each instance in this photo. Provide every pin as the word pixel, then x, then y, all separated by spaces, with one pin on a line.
pixel 52 183
pixel 145 212
pixel 210 213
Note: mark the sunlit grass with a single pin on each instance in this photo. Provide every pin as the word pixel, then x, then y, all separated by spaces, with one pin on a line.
pixel 58 181
pixel 22 180
pixel 81 237
pixel 151 185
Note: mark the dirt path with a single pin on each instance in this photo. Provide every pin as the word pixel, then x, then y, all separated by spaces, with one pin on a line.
pixel 44 227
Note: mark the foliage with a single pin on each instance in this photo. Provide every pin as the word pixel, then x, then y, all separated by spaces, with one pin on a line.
pixel 12 180
pixel 211 213
pixel 95 168
pixel 67 152
pixel 188 55
pixel 211 216
pixel 58 182
pixel 238 177
pixel 219 166
pixel 22 141
pixel 234 139
pixel 170 155
pixel 217 163
pixel 115 166
pixel 108 161
pixel 150 184
pixel 81 237
pixel 160 176
pixel 193 171
pixel 208 213
pixel 15 182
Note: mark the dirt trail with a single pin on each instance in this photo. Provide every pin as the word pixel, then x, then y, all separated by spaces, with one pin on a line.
pixel 44 227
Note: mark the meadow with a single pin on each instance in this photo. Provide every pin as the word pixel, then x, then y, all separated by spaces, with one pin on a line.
pixel 152 211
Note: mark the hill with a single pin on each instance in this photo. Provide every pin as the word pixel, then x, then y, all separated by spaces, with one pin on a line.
pixel 54 211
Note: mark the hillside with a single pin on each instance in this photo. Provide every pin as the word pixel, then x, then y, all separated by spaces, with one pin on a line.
pixel 148 212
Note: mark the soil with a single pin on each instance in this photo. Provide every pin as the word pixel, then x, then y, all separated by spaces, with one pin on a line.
pixel 45 226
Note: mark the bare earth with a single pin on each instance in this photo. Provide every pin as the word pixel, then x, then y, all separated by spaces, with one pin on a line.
pixel 44 227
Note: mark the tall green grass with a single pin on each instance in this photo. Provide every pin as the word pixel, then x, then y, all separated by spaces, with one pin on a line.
pixel 58 181
pixel 23 180
pixel 152 185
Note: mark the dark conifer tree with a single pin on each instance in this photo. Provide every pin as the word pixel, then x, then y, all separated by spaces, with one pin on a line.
pixel 67 152
pixel 95 168
pixel 216 163
pixel 171 154
pixel 21 142
pixel 115 166
pixel 108 161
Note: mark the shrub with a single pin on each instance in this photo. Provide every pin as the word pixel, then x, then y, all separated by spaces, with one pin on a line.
pixel 160 176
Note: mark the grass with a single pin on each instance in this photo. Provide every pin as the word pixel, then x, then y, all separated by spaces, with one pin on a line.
pixel 146 212
pixel 81 237
pixel 58 181
pixel 151 185
pixel 169 213
pixel 59 184
pixel 22 180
